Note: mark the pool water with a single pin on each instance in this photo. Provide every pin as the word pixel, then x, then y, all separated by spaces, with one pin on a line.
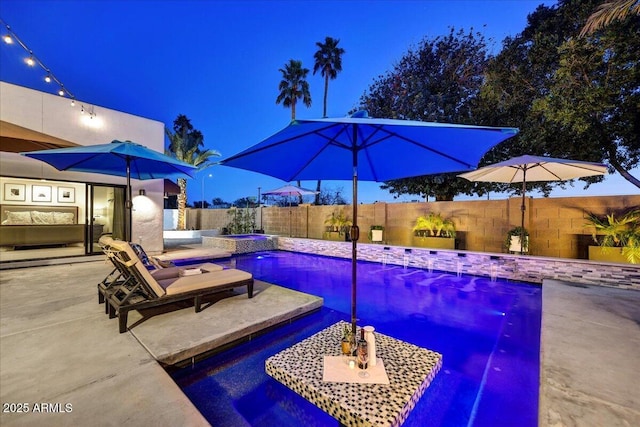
pixel 488 333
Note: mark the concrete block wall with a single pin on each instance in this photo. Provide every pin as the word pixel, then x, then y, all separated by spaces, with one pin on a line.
pixel 557 226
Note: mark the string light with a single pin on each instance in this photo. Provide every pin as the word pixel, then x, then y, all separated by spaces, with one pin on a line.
pixel 32 60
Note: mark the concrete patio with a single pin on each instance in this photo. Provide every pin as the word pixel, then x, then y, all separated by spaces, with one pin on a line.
pixel 58 347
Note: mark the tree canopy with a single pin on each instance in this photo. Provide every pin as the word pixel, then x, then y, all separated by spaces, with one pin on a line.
pixel 436 81
pixel 570 96
pixel 184 144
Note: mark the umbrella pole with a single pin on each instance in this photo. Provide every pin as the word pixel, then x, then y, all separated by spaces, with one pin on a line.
pixel 355 234
pixel 128 203
pixel 522 209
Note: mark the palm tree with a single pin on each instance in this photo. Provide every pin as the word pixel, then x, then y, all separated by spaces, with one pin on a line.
pixel 184 144
pixel 328 60
pixel 609 12
pixel 293 86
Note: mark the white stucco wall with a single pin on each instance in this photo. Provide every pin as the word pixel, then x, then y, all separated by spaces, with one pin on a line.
pixel 53 115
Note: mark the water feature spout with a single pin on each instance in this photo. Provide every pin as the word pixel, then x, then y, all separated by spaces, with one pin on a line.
pixel 407 258
pixel 385 255
pixel 493 269
pixel 460 264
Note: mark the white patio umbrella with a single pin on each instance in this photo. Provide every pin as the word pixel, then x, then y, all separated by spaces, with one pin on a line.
pixel 534 169
pixel 290 190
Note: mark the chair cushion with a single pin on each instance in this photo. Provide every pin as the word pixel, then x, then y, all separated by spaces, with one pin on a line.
pixel 174 272
pixel 212 280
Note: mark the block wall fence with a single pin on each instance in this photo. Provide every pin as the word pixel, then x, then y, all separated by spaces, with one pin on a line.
pixel 557 226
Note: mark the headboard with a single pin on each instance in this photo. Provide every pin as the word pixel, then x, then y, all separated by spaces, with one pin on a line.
pixel 38 215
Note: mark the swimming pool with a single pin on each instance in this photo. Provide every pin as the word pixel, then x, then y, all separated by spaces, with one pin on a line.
pixel 488 333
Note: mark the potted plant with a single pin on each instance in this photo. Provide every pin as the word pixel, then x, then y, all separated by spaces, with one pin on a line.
pixel 617 236
pixel 375 233
pixel 434 231
pixel 512 241
pixel 337 226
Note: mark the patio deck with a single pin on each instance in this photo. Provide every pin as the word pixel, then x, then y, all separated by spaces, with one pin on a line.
pixel 58 347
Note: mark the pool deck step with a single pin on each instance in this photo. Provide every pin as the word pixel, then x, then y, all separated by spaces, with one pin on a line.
pixel 183 334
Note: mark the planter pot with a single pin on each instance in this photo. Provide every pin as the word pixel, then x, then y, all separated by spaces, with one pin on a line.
pixel 606 254
pixel 376 235
pixel 433 242
pixel 334 236
pixel 514 245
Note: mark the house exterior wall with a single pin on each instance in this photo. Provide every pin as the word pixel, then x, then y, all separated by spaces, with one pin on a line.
pixel 53 115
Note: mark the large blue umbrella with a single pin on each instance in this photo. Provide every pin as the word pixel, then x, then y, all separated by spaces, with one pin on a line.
pixel 359 147
pixel 116 158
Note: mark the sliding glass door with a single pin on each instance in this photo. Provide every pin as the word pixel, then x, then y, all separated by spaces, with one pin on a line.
pixel 106 214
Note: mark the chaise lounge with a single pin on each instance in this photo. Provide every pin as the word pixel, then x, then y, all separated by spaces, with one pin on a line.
pixel 139 289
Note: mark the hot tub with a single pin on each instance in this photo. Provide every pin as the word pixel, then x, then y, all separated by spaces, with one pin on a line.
pixel 241 243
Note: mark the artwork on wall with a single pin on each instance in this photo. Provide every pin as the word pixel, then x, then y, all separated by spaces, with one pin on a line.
pixel 40 193
pixel 66 195
pixel 14 192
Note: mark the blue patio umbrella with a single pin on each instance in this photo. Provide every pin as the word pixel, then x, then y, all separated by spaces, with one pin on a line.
pixel 116 158
pixel 360 147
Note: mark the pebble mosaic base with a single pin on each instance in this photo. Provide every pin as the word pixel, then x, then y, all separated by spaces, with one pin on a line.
pixel 239 246
pixel 505 266
pixel 410 369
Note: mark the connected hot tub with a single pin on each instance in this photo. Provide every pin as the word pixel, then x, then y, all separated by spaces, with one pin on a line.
pixel 241 243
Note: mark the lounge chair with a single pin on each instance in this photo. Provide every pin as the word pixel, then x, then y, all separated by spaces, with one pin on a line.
pixel 120 277
pixel 144 290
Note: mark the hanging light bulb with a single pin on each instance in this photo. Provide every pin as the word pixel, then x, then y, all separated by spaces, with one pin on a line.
pixel 82 110
pixel 7 38
pixel 73 102
pixel 30 61
pixel 61 91
pixel 47 78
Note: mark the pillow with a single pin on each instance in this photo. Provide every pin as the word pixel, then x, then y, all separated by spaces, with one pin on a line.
pixel 63 218
pixel 42 217
pixel 18 218
pixel 146 261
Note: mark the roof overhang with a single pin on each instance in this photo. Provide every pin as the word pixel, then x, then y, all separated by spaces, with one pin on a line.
pixel 16 139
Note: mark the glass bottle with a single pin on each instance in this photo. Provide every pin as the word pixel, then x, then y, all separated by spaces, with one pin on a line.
pixel 363 351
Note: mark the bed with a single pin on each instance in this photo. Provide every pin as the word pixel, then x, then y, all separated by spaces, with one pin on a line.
pixel 24 225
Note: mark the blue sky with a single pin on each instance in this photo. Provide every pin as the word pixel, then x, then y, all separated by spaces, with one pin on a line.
pixel 217 62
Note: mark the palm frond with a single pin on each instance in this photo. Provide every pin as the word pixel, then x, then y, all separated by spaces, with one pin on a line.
pixel 609 12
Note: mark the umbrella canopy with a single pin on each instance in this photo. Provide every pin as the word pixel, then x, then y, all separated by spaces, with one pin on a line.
pixel 359 147
pixel 534 168
pixel 117 158
pixel 290 190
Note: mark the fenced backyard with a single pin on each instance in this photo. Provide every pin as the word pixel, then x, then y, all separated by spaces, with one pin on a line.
pixel 557 226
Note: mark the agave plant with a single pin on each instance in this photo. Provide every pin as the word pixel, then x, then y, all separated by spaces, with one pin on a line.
pixel 620 231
